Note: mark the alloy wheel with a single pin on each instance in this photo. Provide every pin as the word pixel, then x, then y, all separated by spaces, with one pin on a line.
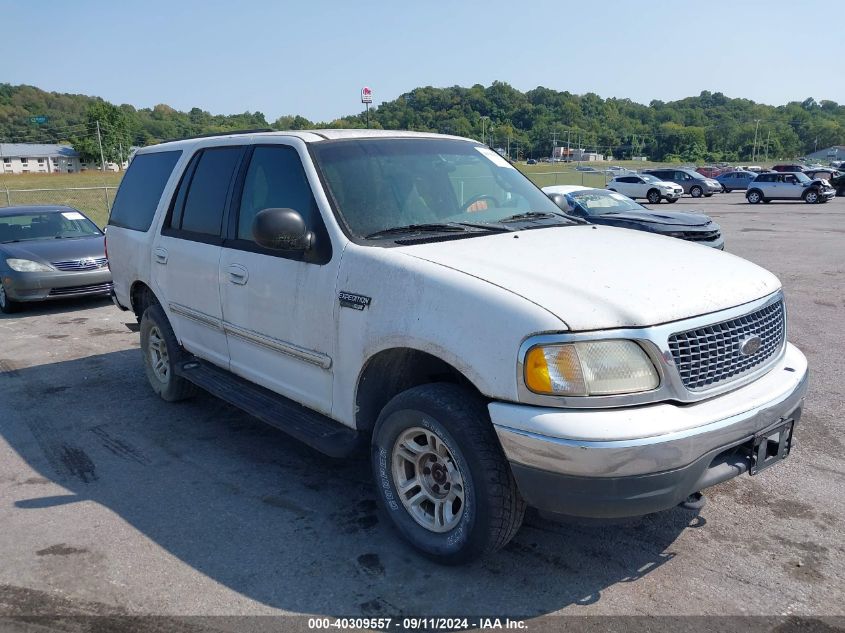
pixel 428 480
pixel 158 356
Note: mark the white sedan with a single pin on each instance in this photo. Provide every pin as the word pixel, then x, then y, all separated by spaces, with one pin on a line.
pixel 645 186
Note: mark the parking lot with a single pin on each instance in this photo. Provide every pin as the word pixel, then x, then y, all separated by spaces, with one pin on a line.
pixel 114 502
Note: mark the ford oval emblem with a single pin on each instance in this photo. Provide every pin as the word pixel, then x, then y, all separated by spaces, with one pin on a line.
pixel 750 346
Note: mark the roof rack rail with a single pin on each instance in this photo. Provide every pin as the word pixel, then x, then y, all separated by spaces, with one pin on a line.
pixel 225 133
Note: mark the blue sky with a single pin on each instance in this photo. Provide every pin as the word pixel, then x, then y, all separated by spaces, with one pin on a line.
pixel 312 58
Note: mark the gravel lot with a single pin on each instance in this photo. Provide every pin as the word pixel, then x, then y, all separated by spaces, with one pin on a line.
pixel 114 502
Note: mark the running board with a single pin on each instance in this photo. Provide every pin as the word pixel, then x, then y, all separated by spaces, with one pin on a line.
pixel 312 428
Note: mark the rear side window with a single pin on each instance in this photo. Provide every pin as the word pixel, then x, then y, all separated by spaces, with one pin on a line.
pixel 141 188
pixel 201 202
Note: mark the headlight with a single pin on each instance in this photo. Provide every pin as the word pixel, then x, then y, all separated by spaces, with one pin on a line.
pixel 27 266
pixel 589 368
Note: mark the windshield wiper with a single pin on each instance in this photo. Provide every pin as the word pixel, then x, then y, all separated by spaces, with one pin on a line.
pixel 541 215
pixel 418 228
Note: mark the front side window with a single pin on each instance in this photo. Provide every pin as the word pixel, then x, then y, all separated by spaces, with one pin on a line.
pixel 382 184
pixel 275 179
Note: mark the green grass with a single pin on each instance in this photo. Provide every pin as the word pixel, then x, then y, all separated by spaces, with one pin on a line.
pixel 20 189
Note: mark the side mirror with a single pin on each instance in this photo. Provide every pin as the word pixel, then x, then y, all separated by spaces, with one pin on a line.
pixel 560 200
pixel 281 230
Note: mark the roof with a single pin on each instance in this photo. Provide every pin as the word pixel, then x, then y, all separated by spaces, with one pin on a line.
pixel 36 150
pixel 309 136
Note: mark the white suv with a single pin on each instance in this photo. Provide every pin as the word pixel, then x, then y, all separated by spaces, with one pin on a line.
pixel 416 296
pixel 644 186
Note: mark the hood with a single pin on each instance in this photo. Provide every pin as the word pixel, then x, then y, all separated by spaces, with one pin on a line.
pixel 598 277
pixel 56 250
pixel 655 217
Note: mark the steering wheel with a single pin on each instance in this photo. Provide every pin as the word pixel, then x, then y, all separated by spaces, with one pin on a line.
pixel 484 196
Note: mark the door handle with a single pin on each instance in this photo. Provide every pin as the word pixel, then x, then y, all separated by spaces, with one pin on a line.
pixel 238 274
pixel 160 255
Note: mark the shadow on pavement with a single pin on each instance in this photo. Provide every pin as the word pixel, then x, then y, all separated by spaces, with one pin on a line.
pixel 265 516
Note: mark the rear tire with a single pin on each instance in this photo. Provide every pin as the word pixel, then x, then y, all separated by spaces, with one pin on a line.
pixel 696 191
pixel 7 305
pixel 653 196
pixel 459 500
pixel 162 353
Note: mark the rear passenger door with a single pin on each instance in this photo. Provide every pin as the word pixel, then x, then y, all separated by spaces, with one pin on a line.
pixel 186 255
pixel 279 306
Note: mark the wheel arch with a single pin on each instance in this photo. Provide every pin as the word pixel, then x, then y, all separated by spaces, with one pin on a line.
pixel 391 371
pixel 141 296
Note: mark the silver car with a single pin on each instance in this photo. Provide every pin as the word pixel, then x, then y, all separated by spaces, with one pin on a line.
pixel 691 181
pixel 50 252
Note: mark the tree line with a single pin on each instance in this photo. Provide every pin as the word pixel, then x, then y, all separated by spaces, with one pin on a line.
pixel 707 128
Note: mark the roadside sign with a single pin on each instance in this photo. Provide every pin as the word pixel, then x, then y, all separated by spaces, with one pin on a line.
pixel 40 119
pixel 366 95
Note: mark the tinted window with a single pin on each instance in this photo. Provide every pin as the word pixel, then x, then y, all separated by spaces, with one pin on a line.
pixel 629 179
pixel 275 179
pixel 206 199
pixel 141 189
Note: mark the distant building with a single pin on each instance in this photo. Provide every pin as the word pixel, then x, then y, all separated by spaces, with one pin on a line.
pixel 39 158
pixel 836 152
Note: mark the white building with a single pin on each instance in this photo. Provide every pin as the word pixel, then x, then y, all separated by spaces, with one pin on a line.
pixel 39 158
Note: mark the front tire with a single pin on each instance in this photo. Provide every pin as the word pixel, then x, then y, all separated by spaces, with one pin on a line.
pixel 696 191
pixel 7 305
pixel 441 475
pixel 672 200
pixel 161 353
pixel 811 196
pixel 653 196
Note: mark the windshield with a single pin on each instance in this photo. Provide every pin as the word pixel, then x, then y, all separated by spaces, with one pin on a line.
pixel 801 177
pixel 45 226
pixel 597 202
pixel 380 184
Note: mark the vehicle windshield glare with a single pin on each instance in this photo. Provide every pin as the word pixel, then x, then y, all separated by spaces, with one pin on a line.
pixel 45 226
pixel 380 184
pixel 597 202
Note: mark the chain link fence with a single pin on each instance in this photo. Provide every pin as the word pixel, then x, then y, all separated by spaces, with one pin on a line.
pixel 95 202
pixel 596 178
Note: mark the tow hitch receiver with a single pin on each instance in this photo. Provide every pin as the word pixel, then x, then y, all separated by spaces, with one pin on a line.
pixel 770 446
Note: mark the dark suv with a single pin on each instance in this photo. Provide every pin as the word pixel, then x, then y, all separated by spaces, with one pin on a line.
pixel 789 167
pixel 692 182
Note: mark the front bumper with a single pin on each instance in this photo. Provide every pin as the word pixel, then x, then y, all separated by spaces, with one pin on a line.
pixel 671 195
pixel 41 286
pixel 587 462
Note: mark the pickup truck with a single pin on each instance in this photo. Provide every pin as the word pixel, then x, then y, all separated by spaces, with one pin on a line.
pixel 414 297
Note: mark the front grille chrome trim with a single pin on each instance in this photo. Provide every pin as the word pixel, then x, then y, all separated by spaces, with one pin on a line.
pixel 655 341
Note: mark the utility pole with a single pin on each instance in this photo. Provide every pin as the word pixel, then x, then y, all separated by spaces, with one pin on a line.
pixel 100 143
pixel 754 147
pixel 568 138
pixel 554 144
pixel 768 134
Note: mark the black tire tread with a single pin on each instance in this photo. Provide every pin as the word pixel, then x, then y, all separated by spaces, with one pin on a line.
pixel 507 505
pixel 178 388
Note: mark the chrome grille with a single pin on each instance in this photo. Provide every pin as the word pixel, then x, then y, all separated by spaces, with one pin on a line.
pixel 709 356
pixel 86 263
pixel 72 290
